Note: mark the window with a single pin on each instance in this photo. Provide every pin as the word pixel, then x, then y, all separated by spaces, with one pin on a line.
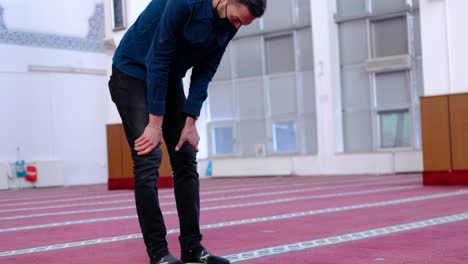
pixel 118 15
pixel 280 54
pixel 284 137
pixel 395 129
pixel 392 89
pixel 282 95
pixel 379 6
pixel 306 49
pixel 223 141
pixel 389 37
pixel 222 101
pixel 224 69
pixel 353 42
pixel 279 15
pixel 381 76
pixel 247 57
pixel 303 12
pixel 349 8
pixel 251 134
pixel 251 98
pixel 266 77
pixel 357 126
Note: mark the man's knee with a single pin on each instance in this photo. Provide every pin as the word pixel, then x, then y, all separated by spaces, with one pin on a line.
pixel 146 167
pixel 185 160
pixel 185 155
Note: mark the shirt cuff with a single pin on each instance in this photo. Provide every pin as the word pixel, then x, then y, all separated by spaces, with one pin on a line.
pixel 157 107
pixel 193 107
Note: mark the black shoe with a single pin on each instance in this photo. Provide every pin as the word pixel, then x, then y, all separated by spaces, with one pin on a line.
pixel 168 259
pixel 202 256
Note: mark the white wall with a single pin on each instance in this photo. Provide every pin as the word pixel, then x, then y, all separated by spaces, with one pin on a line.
pixel 51 16
pixel 444 42
pixel 458 43
pixel 53 115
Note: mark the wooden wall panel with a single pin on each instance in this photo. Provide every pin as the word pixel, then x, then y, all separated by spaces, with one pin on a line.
pixel 459 130
pixel 114 151
pixel 436 133
pixel 120 161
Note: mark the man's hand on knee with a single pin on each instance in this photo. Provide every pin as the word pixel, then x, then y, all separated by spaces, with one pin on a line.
pixel 151 138
pixel 189 134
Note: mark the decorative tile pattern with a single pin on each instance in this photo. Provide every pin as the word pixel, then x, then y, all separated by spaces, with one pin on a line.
pixel 93 42
pixel 45 40
pixel 2 21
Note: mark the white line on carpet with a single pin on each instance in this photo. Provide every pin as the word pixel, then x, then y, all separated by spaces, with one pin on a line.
pixel 208 199
pixel 377 232
pixel 217 207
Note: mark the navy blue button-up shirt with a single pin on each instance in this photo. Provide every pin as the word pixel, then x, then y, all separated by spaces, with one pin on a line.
pixel 167 39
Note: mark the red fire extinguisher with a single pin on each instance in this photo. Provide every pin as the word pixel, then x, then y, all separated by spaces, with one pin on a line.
pixel 31 175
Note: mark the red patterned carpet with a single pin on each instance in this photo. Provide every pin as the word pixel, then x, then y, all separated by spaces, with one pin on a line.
pixel 306 220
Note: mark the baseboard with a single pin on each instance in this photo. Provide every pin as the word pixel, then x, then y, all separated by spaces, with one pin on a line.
pixel 127 183
pixel 459 177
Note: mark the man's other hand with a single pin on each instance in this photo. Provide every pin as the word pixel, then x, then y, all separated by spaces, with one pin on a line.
pixel 152 136
pixel 189 134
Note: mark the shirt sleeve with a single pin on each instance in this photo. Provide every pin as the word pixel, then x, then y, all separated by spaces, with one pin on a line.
pixel 161 54
pixel 202 74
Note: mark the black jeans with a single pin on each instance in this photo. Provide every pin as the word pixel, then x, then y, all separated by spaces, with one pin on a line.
pixel 129 95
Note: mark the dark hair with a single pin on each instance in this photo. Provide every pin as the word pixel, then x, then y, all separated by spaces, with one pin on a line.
pixel 256 7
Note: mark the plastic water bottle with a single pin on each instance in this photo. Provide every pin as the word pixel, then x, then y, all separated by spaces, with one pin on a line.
pixel 209 168
pixel 19 165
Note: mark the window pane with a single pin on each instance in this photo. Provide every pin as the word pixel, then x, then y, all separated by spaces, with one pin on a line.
pixel 224 69
pixel 348 8
pixel 419 78
pixel 278 15
pixel 395 129
pixel 380 6
pixel 308 92
pixel 304 12
pixel 392 89
pixel 251 98
pixel 284 137
pixel 119 14
pixel 283 95
pixel 247 56
pixel 390 37
pixel 221 100
pixel 223 140
pixel 356 92
pixel 280 54
pixel 353 42
pixel 306 49
pixel 357 127
pixel 417 33
pixel 251 133
pixel 310 134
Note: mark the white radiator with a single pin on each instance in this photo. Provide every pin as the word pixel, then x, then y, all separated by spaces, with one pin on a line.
pixel 49 173
pixel 3 176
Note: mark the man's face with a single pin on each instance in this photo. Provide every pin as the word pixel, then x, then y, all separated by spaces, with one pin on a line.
pixel 238 14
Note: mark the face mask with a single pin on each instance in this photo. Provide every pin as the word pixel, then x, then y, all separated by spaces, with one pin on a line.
pixel 222 23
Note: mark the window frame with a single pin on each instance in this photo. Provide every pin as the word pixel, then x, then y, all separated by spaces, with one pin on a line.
pixel 124 16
